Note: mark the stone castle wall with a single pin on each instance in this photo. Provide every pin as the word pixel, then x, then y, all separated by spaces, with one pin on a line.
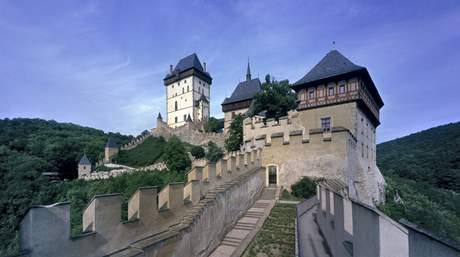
pixel 297 148
pixel 188 133
pixel 180 220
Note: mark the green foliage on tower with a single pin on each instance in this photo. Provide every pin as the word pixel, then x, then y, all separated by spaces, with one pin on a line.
pixel 235 134
pixel 276 99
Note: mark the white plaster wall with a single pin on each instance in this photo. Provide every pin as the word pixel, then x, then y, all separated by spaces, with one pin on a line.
pixel 192 87
pixel 394 239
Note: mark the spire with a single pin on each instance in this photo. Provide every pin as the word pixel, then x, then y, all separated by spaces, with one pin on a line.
pixel 159 116
pixel 248 72
pixel 84 160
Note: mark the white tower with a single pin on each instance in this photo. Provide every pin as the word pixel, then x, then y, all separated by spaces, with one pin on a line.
pixel 188 88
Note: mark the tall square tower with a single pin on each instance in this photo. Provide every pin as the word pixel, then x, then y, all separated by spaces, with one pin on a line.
pixel 188 88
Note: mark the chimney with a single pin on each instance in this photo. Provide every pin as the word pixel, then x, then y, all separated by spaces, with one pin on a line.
pixel 170 68
pixel 204 66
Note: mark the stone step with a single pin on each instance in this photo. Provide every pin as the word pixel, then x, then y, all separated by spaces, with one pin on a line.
pixel 224 242
pixel 232 240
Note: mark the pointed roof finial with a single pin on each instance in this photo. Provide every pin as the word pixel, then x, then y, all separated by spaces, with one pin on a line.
pixel 159 116
pixel 333 45
pixel 248 72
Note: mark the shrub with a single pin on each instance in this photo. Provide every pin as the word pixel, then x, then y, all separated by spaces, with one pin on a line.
pixel 197 151
pixel 175 156
pixel 304 188
pixel 214 152
pixel 212 125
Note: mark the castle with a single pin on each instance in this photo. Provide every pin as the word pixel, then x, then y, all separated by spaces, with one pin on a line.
pixel 331 134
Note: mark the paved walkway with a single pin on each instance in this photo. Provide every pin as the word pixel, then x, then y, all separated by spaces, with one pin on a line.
pixel 311 243
pixel 237 240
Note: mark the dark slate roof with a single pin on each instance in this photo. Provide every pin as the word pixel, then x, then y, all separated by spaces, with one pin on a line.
pixel 244 91
pixel 188 62
pixel 111 144
pixel 333 64
pixel 84 160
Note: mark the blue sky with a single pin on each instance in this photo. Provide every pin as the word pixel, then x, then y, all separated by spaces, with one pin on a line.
pixel 101 63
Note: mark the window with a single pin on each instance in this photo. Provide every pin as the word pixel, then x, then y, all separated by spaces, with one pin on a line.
pixel 233 115
pixel 175 119
pixel 331 91
pixel 362 150
pixel 175 106
pixel 185 117
pixel 326 123
pixel 185 81
pixel 311 94
pixel 183 90
pixel 188 89
pixel 199 81
pixel 84 167
pixel 342 89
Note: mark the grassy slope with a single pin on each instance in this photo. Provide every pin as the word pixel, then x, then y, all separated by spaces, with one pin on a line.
pixel 424 169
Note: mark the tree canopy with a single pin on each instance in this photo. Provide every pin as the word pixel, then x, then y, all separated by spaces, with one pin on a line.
pixel 235 134
pixel 213 125
pixel 175 156
pixel 214 152
pixel 276 98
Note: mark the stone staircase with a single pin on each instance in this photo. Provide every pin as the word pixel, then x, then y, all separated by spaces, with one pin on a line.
pixel 236 241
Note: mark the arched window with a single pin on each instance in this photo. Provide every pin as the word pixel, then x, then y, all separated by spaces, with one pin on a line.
pixel 175 105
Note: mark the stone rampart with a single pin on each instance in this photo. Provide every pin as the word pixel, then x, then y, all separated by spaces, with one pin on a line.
pixel 180 220
pixel 352 228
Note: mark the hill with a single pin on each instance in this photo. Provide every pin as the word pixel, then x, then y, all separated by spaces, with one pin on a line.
pixel 57 146
pixel 423 175
pixel 29 147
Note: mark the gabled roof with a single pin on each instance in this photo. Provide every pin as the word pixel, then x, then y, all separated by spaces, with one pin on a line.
pixel 333 64
pixel 111 144
pixel 245 90
pixel 84 160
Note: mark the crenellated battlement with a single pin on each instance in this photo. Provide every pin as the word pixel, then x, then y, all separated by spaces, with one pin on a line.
pixel 150 211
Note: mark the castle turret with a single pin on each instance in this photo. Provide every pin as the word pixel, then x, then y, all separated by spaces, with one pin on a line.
pixel 111 150
pixel 84 166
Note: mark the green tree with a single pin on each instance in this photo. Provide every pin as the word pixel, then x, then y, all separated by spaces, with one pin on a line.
pixel 214 152
pixel 212 125
pixel 197 151
pixel 235 134
pixel 276 98
pixel 304 188
pixel 175 156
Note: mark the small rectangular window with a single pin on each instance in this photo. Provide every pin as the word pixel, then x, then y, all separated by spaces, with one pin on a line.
pixel 311 94
pixel 175 119
pixel 342 89
pixel 331 91
pixel 185 117
pixel 326 123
